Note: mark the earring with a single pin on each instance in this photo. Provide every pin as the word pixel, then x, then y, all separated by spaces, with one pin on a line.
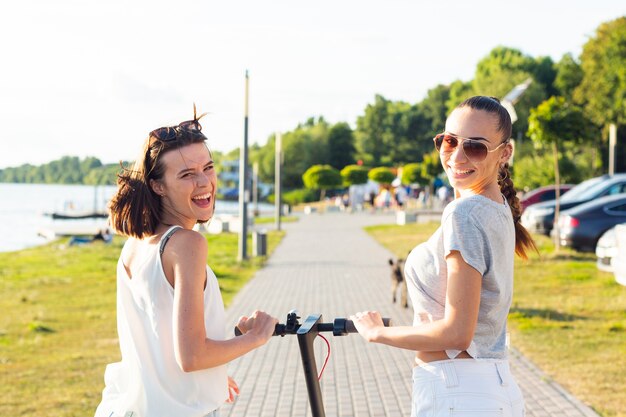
pixel 500 177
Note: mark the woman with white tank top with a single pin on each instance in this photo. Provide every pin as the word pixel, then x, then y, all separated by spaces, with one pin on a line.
pixel 170 315
pixel 461 280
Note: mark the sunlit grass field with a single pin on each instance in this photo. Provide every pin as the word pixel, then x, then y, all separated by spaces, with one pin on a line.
pixel 57 327
pixel 568 317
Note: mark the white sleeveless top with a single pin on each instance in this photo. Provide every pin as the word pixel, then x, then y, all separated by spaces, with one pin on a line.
pixel 148 381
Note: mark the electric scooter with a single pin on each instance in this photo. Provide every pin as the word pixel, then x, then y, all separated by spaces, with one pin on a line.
pixel 307 332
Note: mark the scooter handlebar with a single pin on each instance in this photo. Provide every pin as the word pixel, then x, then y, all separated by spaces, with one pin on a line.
pixel 339 327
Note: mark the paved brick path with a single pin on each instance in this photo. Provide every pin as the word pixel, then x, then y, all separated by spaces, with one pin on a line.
pixel 327 264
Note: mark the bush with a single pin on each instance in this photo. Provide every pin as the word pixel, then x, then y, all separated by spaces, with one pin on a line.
pixel 381 175
pixel 321 177
pixel 412 174
pixel 298 196
pixel 354 174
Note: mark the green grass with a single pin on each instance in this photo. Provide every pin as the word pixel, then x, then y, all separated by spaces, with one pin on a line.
pixel 567 317
pixel 57 327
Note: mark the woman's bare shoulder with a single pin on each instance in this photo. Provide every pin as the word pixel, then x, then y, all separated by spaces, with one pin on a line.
pixel 187 243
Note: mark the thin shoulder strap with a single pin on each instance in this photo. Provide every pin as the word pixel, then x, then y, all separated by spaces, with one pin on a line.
pixel 167 237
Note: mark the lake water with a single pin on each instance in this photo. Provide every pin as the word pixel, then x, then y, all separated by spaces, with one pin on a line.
pixel 22 209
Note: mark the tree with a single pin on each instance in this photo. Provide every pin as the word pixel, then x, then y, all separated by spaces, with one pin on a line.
pixel 390 132
pixel 602 90
pixel 354 174
pixel 569 74
pixel 503 69
pixel 544 72
pixel 340 145
pixel 322 177
pixel 431 166
pixel 434 108
pixel 382 175
pixel 553 121
pixel 537 169
pixel 303 147
pixel 459 91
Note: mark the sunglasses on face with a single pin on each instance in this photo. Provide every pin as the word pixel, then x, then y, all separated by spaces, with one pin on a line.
pixel 474 150
pixel 170 133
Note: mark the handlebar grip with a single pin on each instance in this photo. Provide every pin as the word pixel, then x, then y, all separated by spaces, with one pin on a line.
pixel 279 330
pixel 351 329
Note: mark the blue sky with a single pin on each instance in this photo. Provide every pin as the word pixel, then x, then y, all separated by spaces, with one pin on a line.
pixel 87 77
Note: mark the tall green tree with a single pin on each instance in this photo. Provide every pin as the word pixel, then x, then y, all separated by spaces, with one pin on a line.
pixel 459 91
pixel 434 108
pixel 341 148
pixel 303 147
pixel 569 74
pixel 602 90
pixel 504 68
pixel 554 121
pixel 391 132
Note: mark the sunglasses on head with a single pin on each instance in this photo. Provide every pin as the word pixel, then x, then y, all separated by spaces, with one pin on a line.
pixel 474 150
pixel 190 127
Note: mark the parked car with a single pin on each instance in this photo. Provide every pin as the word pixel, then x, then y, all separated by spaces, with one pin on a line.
pixel 541 194
pixel 539 218
pixel 619 261
pixel 581 227
pixel 606 249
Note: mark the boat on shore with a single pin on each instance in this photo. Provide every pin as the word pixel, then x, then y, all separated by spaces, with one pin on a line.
pixel 55 231
pixel 78 215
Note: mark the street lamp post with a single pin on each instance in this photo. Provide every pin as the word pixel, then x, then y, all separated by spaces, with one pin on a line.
pixel 243 179
pixel 278 156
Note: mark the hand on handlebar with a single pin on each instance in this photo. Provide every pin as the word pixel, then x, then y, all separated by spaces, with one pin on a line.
pixel 259 324
pixel 367 324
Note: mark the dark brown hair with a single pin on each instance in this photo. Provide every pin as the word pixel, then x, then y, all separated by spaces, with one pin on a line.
pixel 523 240
pixel 135 209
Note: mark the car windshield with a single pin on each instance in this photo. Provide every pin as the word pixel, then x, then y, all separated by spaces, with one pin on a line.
pixel 585 190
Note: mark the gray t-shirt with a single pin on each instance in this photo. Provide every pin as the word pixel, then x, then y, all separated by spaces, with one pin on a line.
pixel 482 231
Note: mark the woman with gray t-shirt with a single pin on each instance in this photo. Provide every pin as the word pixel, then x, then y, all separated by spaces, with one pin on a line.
pixel 461 280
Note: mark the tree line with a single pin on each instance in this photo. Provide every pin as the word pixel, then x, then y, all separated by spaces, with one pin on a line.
pixel 67 170
pixel 569 103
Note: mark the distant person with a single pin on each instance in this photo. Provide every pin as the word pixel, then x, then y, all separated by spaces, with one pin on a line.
pixel 170 315
pixel 401 196
pixel 370 197
pixel 103 235
pixel 460 281
pixel 345 201
pixel 445 195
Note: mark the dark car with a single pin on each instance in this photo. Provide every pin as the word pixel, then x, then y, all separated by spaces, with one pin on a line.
pixel 541 194
pixel 539 218
pixel 582 226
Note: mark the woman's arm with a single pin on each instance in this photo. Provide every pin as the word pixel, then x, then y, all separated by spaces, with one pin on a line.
pixel 454 331
pixel 184 260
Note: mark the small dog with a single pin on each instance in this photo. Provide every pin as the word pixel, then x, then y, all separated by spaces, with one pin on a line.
pixel 397 280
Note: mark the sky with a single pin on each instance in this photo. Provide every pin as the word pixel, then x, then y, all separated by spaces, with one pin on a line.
pixel 93 78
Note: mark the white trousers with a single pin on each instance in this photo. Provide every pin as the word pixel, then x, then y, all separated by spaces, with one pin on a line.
pixel 466 388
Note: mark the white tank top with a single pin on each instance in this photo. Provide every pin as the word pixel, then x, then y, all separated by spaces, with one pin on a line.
pixel 148 381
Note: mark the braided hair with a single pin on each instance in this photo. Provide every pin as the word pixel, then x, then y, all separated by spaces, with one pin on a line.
pixel 523 240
